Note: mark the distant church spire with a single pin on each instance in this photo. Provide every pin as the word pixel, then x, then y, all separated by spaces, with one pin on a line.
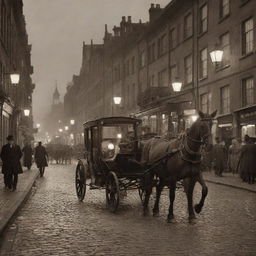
pixel 56 95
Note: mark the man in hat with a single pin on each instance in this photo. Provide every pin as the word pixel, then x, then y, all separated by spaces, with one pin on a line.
pixel 41 158
pixel 11 155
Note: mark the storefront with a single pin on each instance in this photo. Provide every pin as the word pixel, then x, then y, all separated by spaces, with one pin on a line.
pixel 246 121
pixel 224 129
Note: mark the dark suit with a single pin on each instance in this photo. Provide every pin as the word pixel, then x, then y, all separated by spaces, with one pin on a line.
pixel 11 156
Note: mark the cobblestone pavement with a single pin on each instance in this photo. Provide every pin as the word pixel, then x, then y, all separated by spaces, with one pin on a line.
pixel 53 222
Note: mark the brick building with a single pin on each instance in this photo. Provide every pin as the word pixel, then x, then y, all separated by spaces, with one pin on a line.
pixel 15 57
pixel 175 45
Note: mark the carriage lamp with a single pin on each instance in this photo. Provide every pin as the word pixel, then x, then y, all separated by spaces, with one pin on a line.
pixel 194 118
pixel 119 136
pixel 216 56
pixel 176 86
pixel 26 112
pixel 111 146
pixel 15 78
pixel 66 128
pixel 72 121
pixel 117 100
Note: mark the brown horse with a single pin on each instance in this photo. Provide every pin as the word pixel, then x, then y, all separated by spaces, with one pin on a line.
pixel 182 163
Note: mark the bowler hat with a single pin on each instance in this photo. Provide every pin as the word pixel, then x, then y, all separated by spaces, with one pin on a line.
pixel 10 137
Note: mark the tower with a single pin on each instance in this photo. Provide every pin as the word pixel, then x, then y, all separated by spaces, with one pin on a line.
pixel 56 96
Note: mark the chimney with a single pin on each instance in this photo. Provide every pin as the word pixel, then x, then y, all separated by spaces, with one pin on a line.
pixel 129 19
pixel 154 12
pixel 123 19
pixel 106 28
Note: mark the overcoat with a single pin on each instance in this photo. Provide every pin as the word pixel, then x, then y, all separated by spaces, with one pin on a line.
pixel 219 156
pixel 11 156
pixel 40 156
pixel 27 151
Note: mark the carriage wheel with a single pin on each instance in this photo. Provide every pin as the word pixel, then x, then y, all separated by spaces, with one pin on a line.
pixel 112 192
pixel 80 182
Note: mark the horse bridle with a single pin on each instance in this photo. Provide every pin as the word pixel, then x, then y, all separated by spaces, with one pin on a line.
pixel 203 139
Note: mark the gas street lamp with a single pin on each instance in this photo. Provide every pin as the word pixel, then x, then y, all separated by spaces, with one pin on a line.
pixel 117 100
pixel 72 121
pixel 60 130
pixel 15 78
pixel 66 128
pixel 176 86
pixel 26 112
pixel 216 56
pixel 38 125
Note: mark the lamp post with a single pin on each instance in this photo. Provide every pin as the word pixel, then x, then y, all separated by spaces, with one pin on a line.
pixel 117 101
pixel 15 78
pixel 176 85
pixel 216 56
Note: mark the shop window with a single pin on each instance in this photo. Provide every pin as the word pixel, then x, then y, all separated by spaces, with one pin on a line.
pixel 224 8
pixel 225 99
pixel 248 91
pixel 203 63
pixel 247 36
pixel 203 23
pixel 248 130
pixel 153 123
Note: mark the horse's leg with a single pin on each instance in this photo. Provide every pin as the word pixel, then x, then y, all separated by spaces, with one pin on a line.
pixel 172 189
pixel 159 189
pixel 148 185
pixel 189 191
pixel 199 206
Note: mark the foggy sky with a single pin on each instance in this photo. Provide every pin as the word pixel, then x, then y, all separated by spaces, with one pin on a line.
pixel 56 30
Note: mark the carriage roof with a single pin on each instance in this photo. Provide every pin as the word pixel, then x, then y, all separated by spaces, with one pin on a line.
pixel 112 120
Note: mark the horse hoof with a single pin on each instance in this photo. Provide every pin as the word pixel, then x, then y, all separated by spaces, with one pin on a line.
pixel 198 209
pixel 156 214
pixel 192 219
pixel 171 219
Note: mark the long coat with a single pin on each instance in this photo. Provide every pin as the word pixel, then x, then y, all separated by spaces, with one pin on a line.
pixel 40 156
pixel 27 151
pixel 219 156
pixel 11 156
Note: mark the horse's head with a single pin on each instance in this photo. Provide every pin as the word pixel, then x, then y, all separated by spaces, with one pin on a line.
pixel 201 130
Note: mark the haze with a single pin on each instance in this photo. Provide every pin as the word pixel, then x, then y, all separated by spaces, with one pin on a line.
pixel 56 31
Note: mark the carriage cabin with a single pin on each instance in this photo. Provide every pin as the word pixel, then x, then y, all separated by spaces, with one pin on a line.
pixel 106 138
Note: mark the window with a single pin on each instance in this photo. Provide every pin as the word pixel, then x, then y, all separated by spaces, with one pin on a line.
pixel 203 19
pixel 203 63
pixel 248 91
pixel 142 59
pixel 188 26
pixel 173 73
pixel 151 53
pixel 133 65
pixel 188 69
pixel 224 8
pixel 127 68
pixel 161 78
pixel 225 46
pixel 173 38
pixel 225 99
pixel 161 45
pixel 204 99
pixel 247 36
pixel 152 80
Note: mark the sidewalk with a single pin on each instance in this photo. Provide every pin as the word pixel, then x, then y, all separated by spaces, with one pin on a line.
pixel 11 201
pixel 230 180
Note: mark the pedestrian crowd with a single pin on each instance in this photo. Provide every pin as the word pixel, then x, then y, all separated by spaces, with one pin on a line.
pixel 237 158
pixel 11 155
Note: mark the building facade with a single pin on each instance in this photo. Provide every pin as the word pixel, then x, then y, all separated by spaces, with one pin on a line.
pixel 15 56
pixel 175 45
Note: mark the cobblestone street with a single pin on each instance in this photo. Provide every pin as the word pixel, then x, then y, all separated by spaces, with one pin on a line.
pixel 53 222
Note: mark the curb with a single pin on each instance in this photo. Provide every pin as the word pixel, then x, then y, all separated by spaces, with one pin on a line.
pixel 230 185
pixel 17 205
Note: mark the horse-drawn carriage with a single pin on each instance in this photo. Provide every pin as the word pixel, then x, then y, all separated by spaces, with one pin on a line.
pixel 111 161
